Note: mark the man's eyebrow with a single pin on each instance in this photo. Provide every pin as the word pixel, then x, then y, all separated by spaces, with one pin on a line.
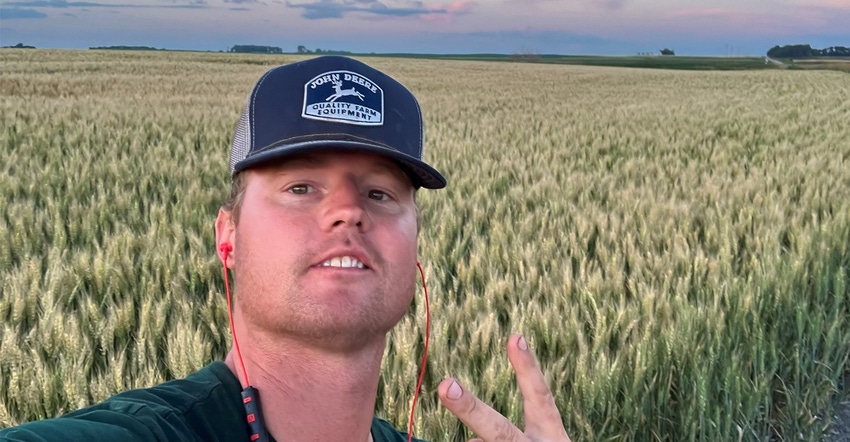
pixel 392 168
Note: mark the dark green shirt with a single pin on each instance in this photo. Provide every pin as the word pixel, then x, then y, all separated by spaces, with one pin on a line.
pixel 205 406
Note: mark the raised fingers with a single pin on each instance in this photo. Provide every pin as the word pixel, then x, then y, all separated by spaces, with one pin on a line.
pixel 479 417
pixel 542 418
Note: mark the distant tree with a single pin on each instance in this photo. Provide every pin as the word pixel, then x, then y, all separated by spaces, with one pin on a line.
pixel 20 46
pixel 256 49
pixel 303 50
pixel 792 51
pixel 124 48
pixel 836 51
pixel 666 51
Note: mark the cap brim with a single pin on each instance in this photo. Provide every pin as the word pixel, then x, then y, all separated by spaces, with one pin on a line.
pixel 419 172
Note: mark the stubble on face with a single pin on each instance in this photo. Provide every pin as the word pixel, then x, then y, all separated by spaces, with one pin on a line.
pixel 277 297
pixel 339 319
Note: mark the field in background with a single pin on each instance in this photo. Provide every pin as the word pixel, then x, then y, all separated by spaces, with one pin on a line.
pixel 649 61
pixel 674 244
pixel 639 61
pixel 823 63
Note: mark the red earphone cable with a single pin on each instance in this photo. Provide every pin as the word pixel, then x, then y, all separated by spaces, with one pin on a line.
pixel 225 249
pixel 424 354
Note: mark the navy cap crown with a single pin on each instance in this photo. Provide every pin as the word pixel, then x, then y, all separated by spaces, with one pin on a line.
pixel 332 102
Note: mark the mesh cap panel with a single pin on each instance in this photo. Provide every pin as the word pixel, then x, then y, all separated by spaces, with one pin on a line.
pixel 241 141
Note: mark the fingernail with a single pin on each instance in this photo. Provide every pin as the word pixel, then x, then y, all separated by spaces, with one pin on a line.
pixel 522 344
pixel 454 391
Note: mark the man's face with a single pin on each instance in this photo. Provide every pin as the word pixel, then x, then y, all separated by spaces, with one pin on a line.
pixel 325 248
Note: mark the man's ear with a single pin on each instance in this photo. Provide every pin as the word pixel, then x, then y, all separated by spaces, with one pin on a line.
pixel 225 235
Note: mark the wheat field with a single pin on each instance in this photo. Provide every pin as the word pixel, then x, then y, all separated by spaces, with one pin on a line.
pixel 674 245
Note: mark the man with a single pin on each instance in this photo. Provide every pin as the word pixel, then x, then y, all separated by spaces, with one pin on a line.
pixel 321 234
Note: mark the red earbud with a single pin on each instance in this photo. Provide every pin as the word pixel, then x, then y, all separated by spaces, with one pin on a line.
pixel 225 248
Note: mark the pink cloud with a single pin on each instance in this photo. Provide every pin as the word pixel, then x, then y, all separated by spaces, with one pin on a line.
pixel 443 12
pixel 721 19
pixel 824 13
pixel 696 13
pixel 807 15
pixel 724 17
pixel 454 8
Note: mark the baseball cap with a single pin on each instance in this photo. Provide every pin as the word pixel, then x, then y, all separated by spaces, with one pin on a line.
pixel 332 103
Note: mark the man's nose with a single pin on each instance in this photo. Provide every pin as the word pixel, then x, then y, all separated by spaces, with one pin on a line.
pixel 344 207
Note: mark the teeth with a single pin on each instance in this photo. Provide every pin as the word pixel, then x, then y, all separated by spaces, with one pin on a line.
pixel 346 262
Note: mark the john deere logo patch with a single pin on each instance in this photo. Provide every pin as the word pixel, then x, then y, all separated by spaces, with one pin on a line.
pixel 344 97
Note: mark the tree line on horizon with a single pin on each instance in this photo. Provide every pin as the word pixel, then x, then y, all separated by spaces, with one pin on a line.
pixel 806 51
pixel 259 49
pixel 786 51
pixel 256 49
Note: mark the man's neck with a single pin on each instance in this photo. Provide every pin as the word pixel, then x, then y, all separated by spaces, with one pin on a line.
pixel 313 395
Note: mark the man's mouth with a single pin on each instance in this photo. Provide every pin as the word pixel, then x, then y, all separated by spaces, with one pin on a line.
pixel 345 262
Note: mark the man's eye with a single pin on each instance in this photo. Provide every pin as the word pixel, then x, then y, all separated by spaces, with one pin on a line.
pixel 300 189
pixel 378 195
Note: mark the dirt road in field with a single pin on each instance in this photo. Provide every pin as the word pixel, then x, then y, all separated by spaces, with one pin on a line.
pixel 776 62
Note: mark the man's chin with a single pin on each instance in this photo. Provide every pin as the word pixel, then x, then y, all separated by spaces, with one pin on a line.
pixel 343 338
pixel 342 329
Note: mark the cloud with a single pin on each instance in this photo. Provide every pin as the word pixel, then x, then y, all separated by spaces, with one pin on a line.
pixel 611 5
pixel 698 13
pixel 825 16
pixel 528 41
pixel 321 9
pixel 16 13
pixel 530 2
pixel 608 5
pixel 52 4
pixel 62 4
pixel 826 4
pixel 239 8
pixel 189 6
pixel 456 7
pixel 183 3
pixel 721 18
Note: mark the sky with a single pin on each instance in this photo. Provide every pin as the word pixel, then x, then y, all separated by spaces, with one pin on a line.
pixel 569 27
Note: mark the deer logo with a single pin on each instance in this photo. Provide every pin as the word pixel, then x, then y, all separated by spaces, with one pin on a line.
pixel 340 92
pixel 327 99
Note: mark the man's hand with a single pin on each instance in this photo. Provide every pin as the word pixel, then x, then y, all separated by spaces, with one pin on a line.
pixel 542 419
